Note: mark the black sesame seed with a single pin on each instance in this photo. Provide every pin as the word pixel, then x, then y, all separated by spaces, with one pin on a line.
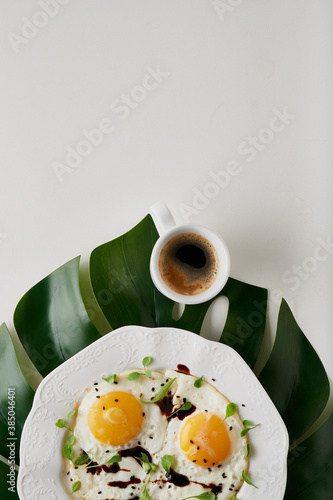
pixel 103 407
pixel 220 465
pixel 116 400
pixel 96 389
pixel 230 428
pixel 107 451
pixel 95 383
pixel 162 385
pixel 133 487
pixel 205 460
pixel 206 410
pixel 167 380
pixel 213 379
pixel 97 397
pixel 143 414
pixel 243 404
pixel 67 473
pixel 132 478
pixel 72 479
pixel 198 448
pixel 213 464
pixel 99 492
pixel 191 441
pixel 153 389
pixel 193 460
pixel 169 393
pixel 151 437
pixel 139 443
pixel 184 400
pixel 75 467
pixel 169 486
pixel 210 470
pixel 115 382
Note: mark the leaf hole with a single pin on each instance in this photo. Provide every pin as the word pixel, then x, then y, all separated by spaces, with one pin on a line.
pixel 177 311
pixel 216 316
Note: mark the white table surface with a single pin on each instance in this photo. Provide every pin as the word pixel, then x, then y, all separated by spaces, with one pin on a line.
pixel 223 77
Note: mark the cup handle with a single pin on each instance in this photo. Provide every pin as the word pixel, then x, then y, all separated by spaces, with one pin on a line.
pixel 162 217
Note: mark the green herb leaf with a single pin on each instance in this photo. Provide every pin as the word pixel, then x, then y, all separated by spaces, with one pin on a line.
pixel 114 459
pixel 146 465
pixel 133 376
pixel 67 451
pixel 146 361
pixel 61 423
pixel 247 480
pixel 110 379
pixel 247 423
pixel 148 373
pixel 70 440
pixel 167 462
pixel 231 410
pixel 70 414
pixel 247 429
pixel 81 460
pixel 160 393
pixel 198 383
pixel 144 495
pixel 208 495
pixel 76 486
pixel 247 451
pixel 184 407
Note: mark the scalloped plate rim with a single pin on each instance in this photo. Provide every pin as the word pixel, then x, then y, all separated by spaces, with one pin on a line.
pixel 275 471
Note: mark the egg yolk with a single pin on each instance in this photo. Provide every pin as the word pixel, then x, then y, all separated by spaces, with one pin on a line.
pixel 115 418
pixel 204 439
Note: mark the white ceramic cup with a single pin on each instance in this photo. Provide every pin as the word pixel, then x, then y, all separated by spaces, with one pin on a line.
pixel 167 228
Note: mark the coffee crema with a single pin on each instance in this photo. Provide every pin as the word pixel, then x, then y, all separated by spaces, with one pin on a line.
pixel 188 264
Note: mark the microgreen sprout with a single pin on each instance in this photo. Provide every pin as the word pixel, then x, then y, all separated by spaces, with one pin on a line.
pixel 145 495
pixel 230 411
pixel 160 393
pixel 111 379
pixel 75 487
pixel 112 460
pixel 186 406
pixel 208 495
pixel 247 480
pixel 247 450
pixel 167 462
pixel 145 362
pixel 198 383
pixel 248 427
pixel 81 460
pixel 63 424
pixel 146 465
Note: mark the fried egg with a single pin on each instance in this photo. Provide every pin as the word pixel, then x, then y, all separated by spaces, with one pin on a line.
pixel 208 453
pixel 111 419
pixel 206 449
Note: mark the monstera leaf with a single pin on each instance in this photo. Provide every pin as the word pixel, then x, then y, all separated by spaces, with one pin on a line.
pixel 51 320
pixel 15 396
pixel 53 324
pixel 294 377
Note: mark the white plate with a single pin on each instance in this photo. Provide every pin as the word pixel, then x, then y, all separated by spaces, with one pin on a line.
pixel 40 454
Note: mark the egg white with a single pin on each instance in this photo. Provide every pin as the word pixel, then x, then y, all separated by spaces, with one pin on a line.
pixel 229 474
pixel 151 438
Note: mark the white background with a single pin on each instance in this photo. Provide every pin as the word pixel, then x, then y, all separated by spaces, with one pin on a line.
pixel 227 72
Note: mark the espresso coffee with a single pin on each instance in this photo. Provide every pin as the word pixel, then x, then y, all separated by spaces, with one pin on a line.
pixel 188 264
